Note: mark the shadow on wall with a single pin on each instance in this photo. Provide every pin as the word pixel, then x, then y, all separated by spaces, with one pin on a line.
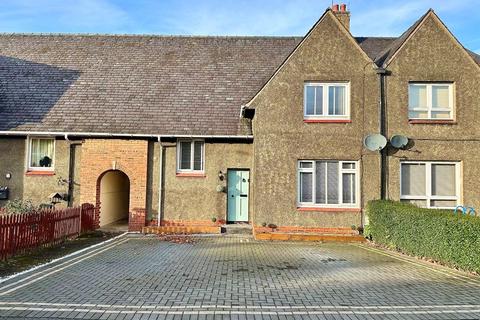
pixel 29 90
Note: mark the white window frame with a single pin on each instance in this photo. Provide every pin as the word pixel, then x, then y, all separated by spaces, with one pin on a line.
pixel 428 181
pixel 325 115
pixel 29 154
pixel 341 171
pixel 192 155
pixel 429 108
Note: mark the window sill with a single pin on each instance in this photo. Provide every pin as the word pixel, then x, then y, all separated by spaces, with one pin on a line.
pixel 432 122
pixel 327 121
pixel 191 175
pixel 324 209
pixel 40 173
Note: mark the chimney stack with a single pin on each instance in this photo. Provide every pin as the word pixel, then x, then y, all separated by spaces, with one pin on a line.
pixel 340 11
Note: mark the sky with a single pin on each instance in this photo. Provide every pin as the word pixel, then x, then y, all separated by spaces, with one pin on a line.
pixel 231 17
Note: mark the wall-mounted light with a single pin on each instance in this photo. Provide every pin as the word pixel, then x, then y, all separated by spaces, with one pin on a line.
pixel 221 175
pixel 8 176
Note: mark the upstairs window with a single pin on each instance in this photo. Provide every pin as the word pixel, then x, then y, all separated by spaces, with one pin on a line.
pixel 430 101
pixel 326 101
pixel 328 183
pixel 41 153
pixel 190 156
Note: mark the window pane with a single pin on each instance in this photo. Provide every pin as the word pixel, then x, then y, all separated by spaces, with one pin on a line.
pixel 197 156
pixel 306 165
pixel 348 165
pixel 348 188
pixel 41 153
pixel 332 182
pixel 336 100
pixel 440 96
pixel 320 175
pixel 310 100
pixel 443 180
pixel 441 115
pixel 185 155
pixel 413 180
pixel 417 114
pixel 443 203
pixel 319 100
pixel 417 96
pixel 306 187
pixel 418 203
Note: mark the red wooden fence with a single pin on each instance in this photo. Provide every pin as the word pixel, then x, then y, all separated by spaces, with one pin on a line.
pixel 20 232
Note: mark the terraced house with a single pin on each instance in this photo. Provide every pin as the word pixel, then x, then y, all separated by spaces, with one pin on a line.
pixel 265 130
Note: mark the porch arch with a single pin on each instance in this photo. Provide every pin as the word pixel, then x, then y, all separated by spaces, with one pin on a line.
pixel 113 197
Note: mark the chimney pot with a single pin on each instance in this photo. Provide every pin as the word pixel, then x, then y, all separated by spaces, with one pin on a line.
pixel 343 7
pixel 335 8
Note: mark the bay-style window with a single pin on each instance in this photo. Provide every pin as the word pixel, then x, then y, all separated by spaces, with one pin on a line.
pixel 431 101
pixel 190 156
pixel 41 152
pixel 326 183
pixel 326 101
pixel 430 184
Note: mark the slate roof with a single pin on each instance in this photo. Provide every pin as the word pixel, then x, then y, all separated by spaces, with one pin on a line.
pixel 133 84
pixel 172 85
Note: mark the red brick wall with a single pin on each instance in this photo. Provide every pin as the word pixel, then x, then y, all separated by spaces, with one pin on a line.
pixel 128 156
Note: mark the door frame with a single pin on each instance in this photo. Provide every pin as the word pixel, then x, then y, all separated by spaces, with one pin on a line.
pixel 249 193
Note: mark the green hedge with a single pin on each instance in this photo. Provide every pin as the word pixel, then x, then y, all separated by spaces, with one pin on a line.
pixel 441 235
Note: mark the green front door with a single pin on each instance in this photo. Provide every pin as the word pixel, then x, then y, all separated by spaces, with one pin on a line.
pixel 238 185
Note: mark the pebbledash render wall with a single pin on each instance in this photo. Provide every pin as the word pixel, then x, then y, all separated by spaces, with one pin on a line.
pixel 197 198
pixel 25 185
pixel 282 137
pixel 432 54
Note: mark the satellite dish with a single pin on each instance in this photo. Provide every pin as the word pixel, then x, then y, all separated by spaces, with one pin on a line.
pixel 399 141
pixel 375 142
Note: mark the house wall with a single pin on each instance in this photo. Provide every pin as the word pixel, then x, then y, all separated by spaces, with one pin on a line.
pixel 38 187
pixel 12 160
pixel 196 198
pixel 432 54
pixel 282 137
pixel 129 156
pixel 23 185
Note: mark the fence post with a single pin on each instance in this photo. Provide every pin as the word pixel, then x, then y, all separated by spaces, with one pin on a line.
pixel 80 220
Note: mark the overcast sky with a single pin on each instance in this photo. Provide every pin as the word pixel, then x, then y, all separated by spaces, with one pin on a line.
pixel 231 17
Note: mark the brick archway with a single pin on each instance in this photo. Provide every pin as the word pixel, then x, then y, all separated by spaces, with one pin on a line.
pixel 114 187
pixel 129 156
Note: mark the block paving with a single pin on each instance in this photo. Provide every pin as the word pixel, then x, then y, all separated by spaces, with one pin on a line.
pixel 236 277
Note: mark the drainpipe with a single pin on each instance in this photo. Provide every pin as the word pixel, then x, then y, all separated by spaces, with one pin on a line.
pixel 160 177
pixel 382 120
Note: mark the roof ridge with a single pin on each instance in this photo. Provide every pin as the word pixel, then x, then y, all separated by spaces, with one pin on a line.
pixel 139 35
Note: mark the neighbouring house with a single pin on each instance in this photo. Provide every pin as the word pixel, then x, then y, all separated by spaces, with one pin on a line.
pixel 179 130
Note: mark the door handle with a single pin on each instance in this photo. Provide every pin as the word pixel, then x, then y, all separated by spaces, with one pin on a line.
pixel 244 195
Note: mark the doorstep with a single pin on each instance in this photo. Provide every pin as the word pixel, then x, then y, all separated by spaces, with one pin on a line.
pixel 182 230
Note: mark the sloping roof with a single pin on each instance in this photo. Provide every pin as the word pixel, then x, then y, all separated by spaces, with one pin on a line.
pixel 373 46
pixel 475 56
pixel 141 84
pixel 133 84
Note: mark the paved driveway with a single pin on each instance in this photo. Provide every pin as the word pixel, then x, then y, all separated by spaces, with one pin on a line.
pixel 232 277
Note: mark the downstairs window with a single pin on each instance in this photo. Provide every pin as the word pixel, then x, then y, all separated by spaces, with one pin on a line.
pixel 325 183
pixel 430 184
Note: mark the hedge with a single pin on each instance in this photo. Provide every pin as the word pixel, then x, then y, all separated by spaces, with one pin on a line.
pixel 440 235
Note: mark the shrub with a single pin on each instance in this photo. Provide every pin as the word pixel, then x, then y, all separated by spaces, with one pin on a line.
pixel 441 235
pixel 18 206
